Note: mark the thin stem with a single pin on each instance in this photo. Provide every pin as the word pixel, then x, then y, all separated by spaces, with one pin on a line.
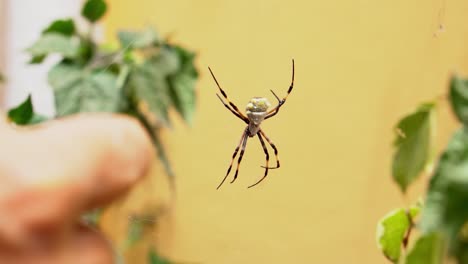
pixel 406 238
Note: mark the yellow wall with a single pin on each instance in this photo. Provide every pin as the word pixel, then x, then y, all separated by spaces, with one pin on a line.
pixel 360 65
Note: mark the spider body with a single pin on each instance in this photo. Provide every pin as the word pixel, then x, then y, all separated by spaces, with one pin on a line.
pixel 256 112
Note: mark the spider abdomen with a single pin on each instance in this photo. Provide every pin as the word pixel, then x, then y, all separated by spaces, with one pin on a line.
pixel 255 119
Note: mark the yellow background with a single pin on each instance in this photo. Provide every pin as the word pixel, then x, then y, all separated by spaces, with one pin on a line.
pixel 360 65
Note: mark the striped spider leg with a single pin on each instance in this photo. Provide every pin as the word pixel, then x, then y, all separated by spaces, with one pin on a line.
pixel 256 113
pixel 275 110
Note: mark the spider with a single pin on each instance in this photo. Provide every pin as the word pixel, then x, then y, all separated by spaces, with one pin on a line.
pixel 256 113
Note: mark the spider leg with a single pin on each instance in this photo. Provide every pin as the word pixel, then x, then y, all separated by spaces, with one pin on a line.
pixel 241 154
pixel 230 109
pixel 236 109
pixel 267 156
pixel 243 139
pixel 277 98
pixel 274 148
pixel 275 110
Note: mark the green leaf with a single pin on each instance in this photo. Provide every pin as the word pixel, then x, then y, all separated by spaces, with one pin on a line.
pixel 445 209
pixel 93 10
pixel 150 90
pixel 135 39
pixel 37 59
pixel 2 78
pixel 413 145
pixel 171 78
pixel 154 258
pixel 77 90
pixel 62 26
pixel 182 85
pixel 459 98
pixel 391 231
pixel 165 62
pixel 153 133
pixel 48 43
pixel 428 249
pixel 162 156
pixel 24 114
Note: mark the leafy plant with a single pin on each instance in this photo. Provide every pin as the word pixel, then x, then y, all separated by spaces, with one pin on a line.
pixel 145 77
pixel 443 224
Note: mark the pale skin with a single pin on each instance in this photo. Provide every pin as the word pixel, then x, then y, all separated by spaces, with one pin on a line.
pixel 50 174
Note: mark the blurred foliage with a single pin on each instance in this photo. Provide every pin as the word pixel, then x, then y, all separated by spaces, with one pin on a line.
pixel 459 98
pixel 24 114
pixel 144 77
pixel 134 232
pixel 393 231
pixel 154 258
pixel 93 10
pixel 443 225
pixel 428 249
pixel 413 145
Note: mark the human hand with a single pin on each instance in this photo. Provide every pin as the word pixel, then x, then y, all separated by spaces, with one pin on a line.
pixel 52 173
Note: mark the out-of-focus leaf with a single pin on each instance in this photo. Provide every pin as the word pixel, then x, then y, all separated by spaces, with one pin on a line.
pixel 24 114
pixel 77 90
pixel 165 62
pixel 413 145
pixel 391 231
pixel 86 51
pixel 68 47
pixel 428 249
pixel 150 82
pixel 93 10
pixel 150 91
pixel 460 249
pixel 135 233
pixel 459 98
pixel 154 135
pixel 154 258
pixel 445 209
pixel 37 59
pixel 2 78
pixel 182 85
pixel 37 118
pixel 138 39
pixel 62 26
